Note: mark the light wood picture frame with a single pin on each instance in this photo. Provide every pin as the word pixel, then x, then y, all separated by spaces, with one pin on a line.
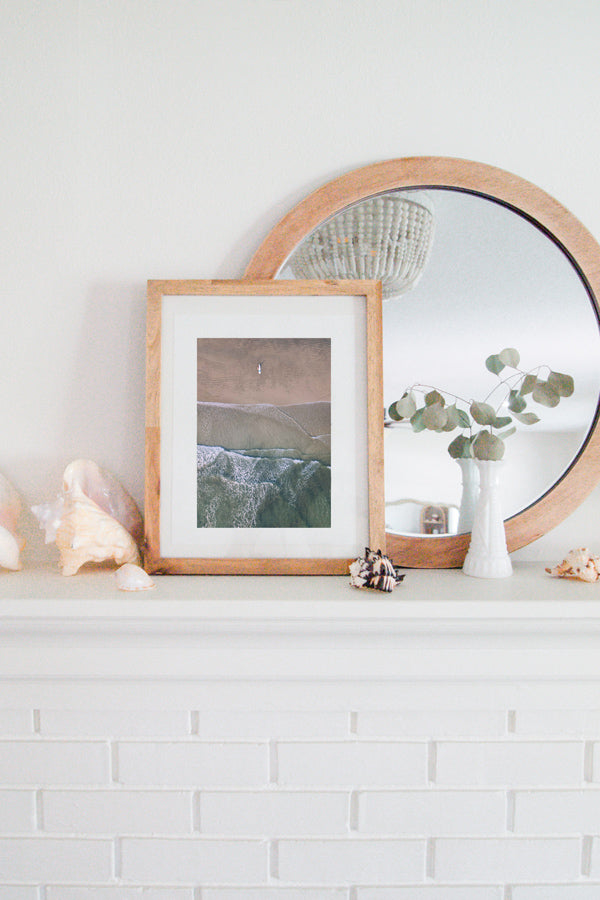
pixel 281 382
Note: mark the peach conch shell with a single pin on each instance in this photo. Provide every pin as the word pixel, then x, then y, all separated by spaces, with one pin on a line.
pixel 94 520
pixel 11 543
pixel 578 564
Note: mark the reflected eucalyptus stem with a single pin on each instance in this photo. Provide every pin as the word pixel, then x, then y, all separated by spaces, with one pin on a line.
pixel 425 388
pixel 517 376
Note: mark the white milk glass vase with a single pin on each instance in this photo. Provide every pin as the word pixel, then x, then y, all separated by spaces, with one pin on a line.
pixel 469 496
pixel 488 555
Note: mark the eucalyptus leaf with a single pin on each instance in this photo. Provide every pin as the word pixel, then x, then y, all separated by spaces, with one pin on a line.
pixel 488 446
pixel 453 415
pixel 510 357
pixel 393 412
pixel 501 421
pixel 528 418
pixel 516 403
pixel 562 384
pixel 494 364
pixel 463 418
pixel 449 426
pixel 406 406
pixel 434 397
pixel 505 434
pixel 545 395
pixel 417 420
pixel 529 382
pixel 483 413
pixel 460 447
pixel 435 417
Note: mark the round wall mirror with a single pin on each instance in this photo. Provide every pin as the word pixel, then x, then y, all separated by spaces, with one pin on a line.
pixel 472 260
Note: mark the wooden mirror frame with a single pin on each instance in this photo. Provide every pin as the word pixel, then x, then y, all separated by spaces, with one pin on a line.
pixel 534 205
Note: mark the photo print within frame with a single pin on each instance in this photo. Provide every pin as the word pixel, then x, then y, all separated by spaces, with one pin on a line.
pixel 264 433
pixel 264 428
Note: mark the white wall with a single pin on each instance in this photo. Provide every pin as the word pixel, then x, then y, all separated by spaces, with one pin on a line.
pixel 163 139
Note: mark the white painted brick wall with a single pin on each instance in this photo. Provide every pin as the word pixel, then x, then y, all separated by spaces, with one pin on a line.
pixel 557 812
pixel 363 861
pixel 55 859
pixel 119 892
pixel 237 725
pixel 273 812
pixel 116 812
pixel 510 763
pixel 579 722
pixel 556 892
pixel 274 893
pixel 114 723
pixel 431 892
pixel 438 724
pixel 14 892
pixel 352 805
pixel 193 763
pixel 352 763
pixel 54 762
pixel 516 859
pixel 16 722
pixel 17 811
pixel 194 860
pixel 432 812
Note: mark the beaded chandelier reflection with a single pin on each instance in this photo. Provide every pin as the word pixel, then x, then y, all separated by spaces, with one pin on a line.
pixel 387 238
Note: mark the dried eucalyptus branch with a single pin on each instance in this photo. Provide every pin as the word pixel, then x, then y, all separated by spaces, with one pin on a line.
pixel 487 442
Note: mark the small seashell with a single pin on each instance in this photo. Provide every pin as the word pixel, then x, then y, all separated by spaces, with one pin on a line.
pixel 11 542
pixel 133 578
pixel 93 520
pixel 577 564
pixel 375 571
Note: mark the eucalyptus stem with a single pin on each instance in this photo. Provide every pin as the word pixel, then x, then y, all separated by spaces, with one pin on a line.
pixel 425 388
pixel 436 415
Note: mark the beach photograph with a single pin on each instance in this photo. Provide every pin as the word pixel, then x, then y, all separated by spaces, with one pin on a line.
pixel 264 432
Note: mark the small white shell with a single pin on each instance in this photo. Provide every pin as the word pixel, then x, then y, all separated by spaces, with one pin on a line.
pixel 132 578
pixel 11 542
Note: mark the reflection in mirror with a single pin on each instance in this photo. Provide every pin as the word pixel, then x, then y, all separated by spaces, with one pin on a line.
pixel 385 238
pixel 491 280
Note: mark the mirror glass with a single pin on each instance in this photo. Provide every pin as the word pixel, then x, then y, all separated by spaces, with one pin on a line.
pixel 492 280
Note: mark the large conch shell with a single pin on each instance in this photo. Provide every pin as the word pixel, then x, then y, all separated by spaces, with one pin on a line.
pixel 93 520
pixel 11 543
pixel 578 564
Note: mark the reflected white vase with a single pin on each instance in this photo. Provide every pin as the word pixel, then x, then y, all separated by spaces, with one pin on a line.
pixel 469 496
pixel 488 555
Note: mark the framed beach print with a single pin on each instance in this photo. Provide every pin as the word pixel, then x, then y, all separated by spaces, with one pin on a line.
pixel 264 426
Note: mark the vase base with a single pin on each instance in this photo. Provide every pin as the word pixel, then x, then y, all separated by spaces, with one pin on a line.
pixel 498 567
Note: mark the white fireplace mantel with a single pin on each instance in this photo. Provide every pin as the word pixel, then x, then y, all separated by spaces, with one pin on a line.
pixel 273 640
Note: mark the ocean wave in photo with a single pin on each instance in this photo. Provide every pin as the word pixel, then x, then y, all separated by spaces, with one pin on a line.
pixel 261 488
pixel 304 428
